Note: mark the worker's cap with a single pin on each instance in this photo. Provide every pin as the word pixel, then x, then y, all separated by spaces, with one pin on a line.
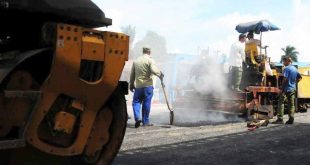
pixel 250 34
pixel 146 49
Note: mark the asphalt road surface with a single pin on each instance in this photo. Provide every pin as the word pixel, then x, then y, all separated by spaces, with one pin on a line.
pixel 221 143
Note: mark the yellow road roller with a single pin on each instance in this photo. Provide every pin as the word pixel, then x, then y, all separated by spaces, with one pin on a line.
pixel 60 94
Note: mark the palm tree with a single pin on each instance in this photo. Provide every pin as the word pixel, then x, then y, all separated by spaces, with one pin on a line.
pixel 291 52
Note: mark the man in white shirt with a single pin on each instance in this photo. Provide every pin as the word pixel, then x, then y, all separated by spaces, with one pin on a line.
pixel 236 58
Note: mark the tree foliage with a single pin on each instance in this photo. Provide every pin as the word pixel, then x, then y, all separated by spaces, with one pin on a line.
pixel 291 52
pixel 156 42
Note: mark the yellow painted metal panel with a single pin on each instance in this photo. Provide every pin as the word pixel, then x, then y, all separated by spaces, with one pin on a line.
pixel 64 79
pixel 92 47
pixel 304 84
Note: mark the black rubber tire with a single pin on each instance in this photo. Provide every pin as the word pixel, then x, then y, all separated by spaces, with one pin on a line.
pixel 117 103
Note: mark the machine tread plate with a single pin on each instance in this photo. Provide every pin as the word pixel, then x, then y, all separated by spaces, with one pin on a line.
pixel 9 144
pixel 21 94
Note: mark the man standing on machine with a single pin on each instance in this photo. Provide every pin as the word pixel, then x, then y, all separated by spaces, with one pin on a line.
pixel 141 83
pixel 236 58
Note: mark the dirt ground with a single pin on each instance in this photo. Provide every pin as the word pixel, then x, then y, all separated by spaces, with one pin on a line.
pixel 227 142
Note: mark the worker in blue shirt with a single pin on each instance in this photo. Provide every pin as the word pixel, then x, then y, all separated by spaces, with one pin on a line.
pixel 290 79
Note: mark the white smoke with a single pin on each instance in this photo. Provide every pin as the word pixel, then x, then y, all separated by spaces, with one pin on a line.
pixel 201 81
pixel 209 83
pixel 211 78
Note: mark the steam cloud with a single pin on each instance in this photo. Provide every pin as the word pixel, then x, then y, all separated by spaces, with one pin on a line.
pixel 207 84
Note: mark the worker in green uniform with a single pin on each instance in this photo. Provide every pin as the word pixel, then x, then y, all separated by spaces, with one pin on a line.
pixel 290 79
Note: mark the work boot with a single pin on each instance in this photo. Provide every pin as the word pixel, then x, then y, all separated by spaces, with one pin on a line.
pixel 290 121
pixel 278 121
pixel 138 123
pixel 149 124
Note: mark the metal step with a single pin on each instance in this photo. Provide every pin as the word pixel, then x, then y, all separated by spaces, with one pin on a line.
pixel 22 94
pixel 10 144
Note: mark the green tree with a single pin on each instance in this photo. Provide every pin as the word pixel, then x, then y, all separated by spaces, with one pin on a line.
pixel 291 52
pixel 156 42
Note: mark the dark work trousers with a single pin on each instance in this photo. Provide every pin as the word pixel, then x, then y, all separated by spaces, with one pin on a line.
pixel 290 96
pixel 142 96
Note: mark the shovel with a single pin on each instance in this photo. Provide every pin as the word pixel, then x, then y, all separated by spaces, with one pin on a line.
pixel 169 108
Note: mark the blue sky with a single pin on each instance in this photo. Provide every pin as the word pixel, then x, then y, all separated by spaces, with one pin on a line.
pixel 192 25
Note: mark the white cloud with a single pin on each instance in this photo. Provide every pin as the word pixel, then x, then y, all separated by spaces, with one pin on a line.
pixel 186 29
pixel 299 35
